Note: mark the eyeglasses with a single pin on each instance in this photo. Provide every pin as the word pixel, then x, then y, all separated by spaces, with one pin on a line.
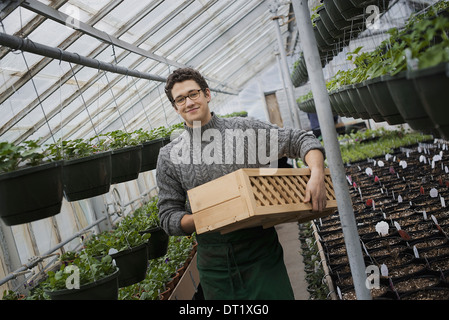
pixel 193 95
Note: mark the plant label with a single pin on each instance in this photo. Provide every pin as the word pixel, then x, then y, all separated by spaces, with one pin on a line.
pixel 433 193
pixel 415 252
pixel 403 164
pixel 382 228
pixel 369 171
pixel 380 163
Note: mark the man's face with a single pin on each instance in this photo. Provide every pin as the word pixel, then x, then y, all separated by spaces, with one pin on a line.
pixel 193 109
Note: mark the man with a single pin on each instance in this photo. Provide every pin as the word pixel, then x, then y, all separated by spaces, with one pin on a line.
pixel 248 263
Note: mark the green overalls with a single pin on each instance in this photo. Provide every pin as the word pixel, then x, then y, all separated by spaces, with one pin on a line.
pixel 247 264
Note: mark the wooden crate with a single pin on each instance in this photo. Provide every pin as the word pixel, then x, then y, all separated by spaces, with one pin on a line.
pixel 255 197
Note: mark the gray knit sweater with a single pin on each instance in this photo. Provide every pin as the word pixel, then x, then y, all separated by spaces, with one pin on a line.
pixel 220 147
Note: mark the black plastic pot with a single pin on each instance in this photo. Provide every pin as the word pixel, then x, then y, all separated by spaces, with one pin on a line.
pixel 133 264
pixel 344 95
pixel 126 163
pixel 103 289
pixel 348 10
pixel 368 102
pixel 431 85
pixel 158 242
pixel 408 102
pixel 31 194
pixel 357 103
pixel 322 45
pixel 87 177
pixel 150 152
pixel 335 15
pixel 330 26
pixel 384 102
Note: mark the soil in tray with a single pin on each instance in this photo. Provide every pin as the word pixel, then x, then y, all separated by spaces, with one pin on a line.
pixel 428 294
pixel 375 293
pixel 417 283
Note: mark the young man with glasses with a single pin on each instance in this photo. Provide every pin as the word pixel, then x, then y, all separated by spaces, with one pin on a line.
pixel 247 263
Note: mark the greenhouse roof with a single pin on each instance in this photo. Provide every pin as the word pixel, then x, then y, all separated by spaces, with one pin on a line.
pixel 230 42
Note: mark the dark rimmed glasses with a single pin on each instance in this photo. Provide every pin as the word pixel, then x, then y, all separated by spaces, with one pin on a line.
pixel 193 95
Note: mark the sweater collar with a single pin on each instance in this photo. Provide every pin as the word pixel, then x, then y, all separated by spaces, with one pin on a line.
pixel 213 122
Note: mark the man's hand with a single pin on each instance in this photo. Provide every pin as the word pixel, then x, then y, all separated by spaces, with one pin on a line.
pixel 187 223
pixel 316 188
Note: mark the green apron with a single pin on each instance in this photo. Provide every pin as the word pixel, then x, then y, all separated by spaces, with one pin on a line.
pixel 247 264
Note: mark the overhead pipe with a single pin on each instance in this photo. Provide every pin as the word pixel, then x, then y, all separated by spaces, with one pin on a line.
pixel 26 45
pixel 333 153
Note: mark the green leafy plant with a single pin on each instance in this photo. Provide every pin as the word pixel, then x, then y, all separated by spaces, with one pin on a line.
pixel 90 269
pixel 13 157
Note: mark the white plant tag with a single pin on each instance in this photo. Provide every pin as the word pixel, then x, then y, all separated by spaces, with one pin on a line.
pixel 398 227
pixel 380 163
pixel 443 203
pixel 403 164
pixel 433 193
pixel 415 251
pixel 399 199
pixel 369 171
pixel 382 228
pixel 384 270
pixel 424 214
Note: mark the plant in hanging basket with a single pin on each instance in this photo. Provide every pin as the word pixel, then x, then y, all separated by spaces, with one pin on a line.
pixel 26 172
pixel 87 167
pixel 127 247
pixel 126 155
pixel 86 278
pixel 146 221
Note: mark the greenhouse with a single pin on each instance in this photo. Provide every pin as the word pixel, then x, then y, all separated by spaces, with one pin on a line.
pixel 224 150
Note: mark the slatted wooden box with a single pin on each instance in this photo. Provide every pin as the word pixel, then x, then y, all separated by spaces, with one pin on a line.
pixel 255 197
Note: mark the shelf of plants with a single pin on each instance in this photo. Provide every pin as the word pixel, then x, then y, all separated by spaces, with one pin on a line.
pixel 402 81
pixel 398 184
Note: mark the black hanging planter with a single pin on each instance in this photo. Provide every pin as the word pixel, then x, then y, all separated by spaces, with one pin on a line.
pixel 357 103
pixel 87 177
pixel 368 102
pixel 103 289
pixel 150 152
pixel 384 102
pixel 158 242
pixel 126 163
pixel 330 26
pixel 31 194
pixel 431 85
pixel 408 102
pixel 132 263
pixel 348 10
pixel 335 15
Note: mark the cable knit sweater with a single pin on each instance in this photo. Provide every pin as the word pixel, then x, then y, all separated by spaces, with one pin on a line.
pixel 203 154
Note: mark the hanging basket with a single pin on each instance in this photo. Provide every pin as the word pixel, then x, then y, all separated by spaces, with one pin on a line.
pixel 357 103
pixel 330 26
pixel 368 102
pixel 87 177
pixel 158 242
pixel 348 10
pixel 126 164
pixel 384 102
pixel 31 194
pixel 432 86
pixel 103 289
pixel 133 264
pixel 408 102
pixel 150 152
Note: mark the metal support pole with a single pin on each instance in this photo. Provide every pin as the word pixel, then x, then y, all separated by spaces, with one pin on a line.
pixel 284 67
pixel 332 147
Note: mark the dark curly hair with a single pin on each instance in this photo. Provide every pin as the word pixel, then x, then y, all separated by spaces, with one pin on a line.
pixel 180 75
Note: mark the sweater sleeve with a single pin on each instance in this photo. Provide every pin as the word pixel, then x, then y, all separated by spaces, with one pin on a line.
pixel 293 143
pixel 171 197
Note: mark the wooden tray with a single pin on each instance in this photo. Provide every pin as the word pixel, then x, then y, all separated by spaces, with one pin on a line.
pixel 255 197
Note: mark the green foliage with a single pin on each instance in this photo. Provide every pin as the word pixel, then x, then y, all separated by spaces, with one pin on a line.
pixel 365 144
pixel 90 269
pixel 25 154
